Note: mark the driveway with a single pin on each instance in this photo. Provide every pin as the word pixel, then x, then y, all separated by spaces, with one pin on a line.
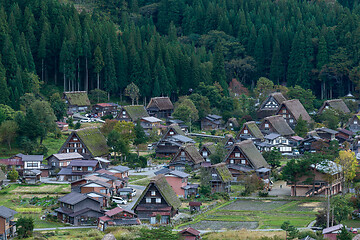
pixel 280 188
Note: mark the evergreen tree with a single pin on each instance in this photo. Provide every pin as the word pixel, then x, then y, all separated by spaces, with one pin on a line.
pixel 218 72
pixel 98 63
pixel 276 68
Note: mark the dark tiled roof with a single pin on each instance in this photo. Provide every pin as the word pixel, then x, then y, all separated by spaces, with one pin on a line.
pixel 162 103
pixel 82 211
pixel 94 141
pixel 195 203
pixel 327 130
pixel 66 156
pixel 280 125
pixel 6 212
pixel 121 168
pixel 73 198
pixel 178 174
pixel 117 210
pixel 136 112
pixel 26 158
pixel 350 133
pixel 296 109
pixel 272 136
pixel 83 163
pixel 162 171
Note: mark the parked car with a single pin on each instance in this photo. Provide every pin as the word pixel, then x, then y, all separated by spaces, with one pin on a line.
pixel 133 193
pixel 85 120
pixel 119 200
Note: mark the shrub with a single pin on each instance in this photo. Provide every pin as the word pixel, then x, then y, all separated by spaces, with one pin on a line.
pixel 263 193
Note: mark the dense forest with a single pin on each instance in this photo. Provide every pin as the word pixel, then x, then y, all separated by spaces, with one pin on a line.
pixel 170 46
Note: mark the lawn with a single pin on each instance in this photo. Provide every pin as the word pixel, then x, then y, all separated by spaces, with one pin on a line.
pixel 54 144
pixel 262 214
pixel 136 177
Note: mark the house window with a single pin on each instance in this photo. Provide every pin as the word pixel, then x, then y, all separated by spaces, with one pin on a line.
pixel 78 168
pixel 237 154
pixel 68 162
pixel 148 200
pixel 284 110
pixel 90 168
pixel 291 120
pixel 182 159
pixel 182 153
pixel 74 145
pixel 75 139
pixel 243 162
pixel 246 131
pixel 61 164
pixel 124 112
pixel 103 191
pixel 284 116
pixel 266 125
pixel 67 150
pixel 204 153
pixel 231 161
pixel 158 200
pixel 75 150
pixel 171 133
pixel 355 122
pixel 53 164
pixel 230 124
pixel 327 107
pixel 153 193
pixel 83 151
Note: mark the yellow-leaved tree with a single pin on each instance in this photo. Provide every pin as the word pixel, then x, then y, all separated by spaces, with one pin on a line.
pixel 348 163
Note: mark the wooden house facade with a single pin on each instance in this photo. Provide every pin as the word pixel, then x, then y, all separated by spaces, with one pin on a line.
pixel 187 155
pixel 158 199
pixel 211 122
pixel 89 142
pixel 270 105
pixel 160 107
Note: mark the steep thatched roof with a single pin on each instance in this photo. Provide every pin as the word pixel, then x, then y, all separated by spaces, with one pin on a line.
pixel 336 104
pixel 254 129
pixel 234 121
pixel 296 109
pixel 279 98
pixel 223 172
pixel 251 152
pixel 210 146
pixel 165 190
pixel 94 140
pixel 162 103
pixel 136 112
pixel 280 125
pixel 191 150
pixel 77 98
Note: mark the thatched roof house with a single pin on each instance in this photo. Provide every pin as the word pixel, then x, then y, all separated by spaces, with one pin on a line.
pixel 335 104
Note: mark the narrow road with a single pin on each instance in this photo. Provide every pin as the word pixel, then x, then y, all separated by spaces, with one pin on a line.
pixel 62 228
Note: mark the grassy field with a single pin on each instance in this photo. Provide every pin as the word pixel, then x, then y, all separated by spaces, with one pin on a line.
pixel 268 214
pixel 54 144
pixel 17 197
pixel 242 234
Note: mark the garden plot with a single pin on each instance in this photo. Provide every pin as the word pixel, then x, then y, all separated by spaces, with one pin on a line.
pixel 219 225
pixel 253 205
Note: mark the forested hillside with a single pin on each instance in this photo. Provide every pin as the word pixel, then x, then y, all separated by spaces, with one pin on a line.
pixel 167 47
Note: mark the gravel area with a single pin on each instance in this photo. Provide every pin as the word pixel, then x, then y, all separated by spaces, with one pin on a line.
pixel 218 225
pixel 254 205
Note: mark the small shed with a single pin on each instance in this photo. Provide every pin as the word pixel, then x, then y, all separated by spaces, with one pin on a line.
pixel 195 206
pixel 190 234
pixel 332 232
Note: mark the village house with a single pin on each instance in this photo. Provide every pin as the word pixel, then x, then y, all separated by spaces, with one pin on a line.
pixel 77 101
pixel 344 135
pixel 160 107
pixel 337 105
pixel 61 160
pixel 104 109
pixel 187 155
pixel 206 150
pixel 211 122
pixel 102 198
pixel 220 178
pixel 276 124
pixel 89 142
pixel 279 142
pixel 78 209
pixel 354 123
pixel 170 120
pixel 157 202
pixel 113 181
pixel 77 169
pixel 312 144
pixel 332 232
pixel 189 234
pixel 228 141
pixel 295 141
pixel 326 133
pixel 179 182
pixel 7 223
pixel 171 141
pixel 291 111
pixel 244 158
pixel 132 113
pixel 232 124
pixel 270 105
pixel 121 172
pixel 29 167
pixel 62 126
pixel 320 183
pixel 150 123
pixel 117 217
pixel 250 130
pixel 195 206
